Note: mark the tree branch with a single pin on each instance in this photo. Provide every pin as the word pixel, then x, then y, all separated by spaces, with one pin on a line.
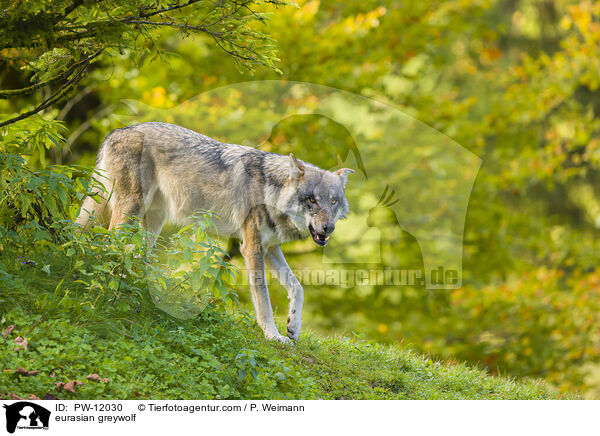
pixel 69 9
pixel 172 8
pixel 30 89
pixel 54 98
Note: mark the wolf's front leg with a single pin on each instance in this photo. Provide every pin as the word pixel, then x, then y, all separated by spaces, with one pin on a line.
pixel 280 268
pixel 255 264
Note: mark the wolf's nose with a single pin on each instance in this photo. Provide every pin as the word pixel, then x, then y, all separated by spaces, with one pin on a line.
pixel 328 228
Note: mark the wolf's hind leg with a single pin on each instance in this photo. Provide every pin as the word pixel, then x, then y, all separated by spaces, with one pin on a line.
pixel 280 268
pixel 91 212
pixel 128 167
pixel 153 222
pixel 122 211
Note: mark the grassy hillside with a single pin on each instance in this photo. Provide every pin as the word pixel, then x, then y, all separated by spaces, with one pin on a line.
pixel 144 353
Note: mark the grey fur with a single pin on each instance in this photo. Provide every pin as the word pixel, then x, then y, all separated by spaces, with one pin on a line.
pixel 162 172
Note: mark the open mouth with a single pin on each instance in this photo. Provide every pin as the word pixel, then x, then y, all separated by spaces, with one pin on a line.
pixel 320 239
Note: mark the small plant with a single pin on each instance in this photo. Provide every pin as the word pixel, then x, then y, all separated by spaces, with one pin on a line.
pixel 248 364
pixel 193 273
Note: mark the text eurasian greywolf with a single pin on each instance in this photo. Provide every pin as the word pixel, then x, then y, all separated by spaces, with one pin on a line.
pixel 160 172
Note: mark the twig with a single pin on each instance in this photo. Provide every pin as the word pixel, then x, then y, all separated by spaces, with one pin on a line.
pixel 57 96
pixel 67 108
pixel 30 89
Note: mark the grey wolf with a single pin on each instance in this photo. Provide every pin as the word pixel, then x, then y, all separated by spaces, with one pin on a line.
pixel 159 172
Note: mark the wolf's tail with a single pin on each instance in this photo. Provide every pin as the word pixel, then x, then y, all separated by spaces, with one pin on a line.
pixel 95 209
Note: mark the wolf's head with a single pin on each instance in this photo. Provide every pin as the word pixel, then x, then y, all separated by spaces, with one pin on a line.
pixel 318 199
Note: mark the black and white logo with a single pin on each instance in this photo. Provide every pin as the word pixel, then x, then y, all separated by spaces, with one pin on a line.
pixel 26 415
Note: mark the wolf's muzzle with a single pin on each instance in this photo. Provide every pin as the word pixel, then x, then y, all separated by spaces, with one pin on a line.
pixel 321 238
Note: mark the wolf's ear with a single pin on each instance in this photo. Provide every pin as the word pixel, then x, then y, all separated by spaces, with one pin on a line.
pixel 343 173
pixel 296 167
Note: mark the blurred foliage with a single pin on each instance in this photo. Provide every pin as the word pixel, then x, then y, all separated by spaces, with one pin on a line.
pixel 516 82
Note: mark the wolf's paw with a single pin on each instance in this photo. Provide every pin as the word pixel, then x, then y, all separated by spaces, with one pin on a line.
pixel 293 334
pixel 294 324
pixel 283 340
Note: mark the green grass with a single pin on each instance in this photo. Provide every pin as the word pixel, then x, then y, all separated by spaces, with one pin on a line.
pixel 146 354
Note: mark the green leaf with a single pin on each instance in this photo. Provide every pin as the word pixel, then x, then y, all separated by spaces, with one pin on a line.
pixel 196 280
pixel 25 203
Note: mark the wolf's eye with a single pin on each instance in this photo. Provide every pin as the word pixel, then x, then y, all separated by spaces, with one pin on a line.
pixel 312 199
pixel 334 201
